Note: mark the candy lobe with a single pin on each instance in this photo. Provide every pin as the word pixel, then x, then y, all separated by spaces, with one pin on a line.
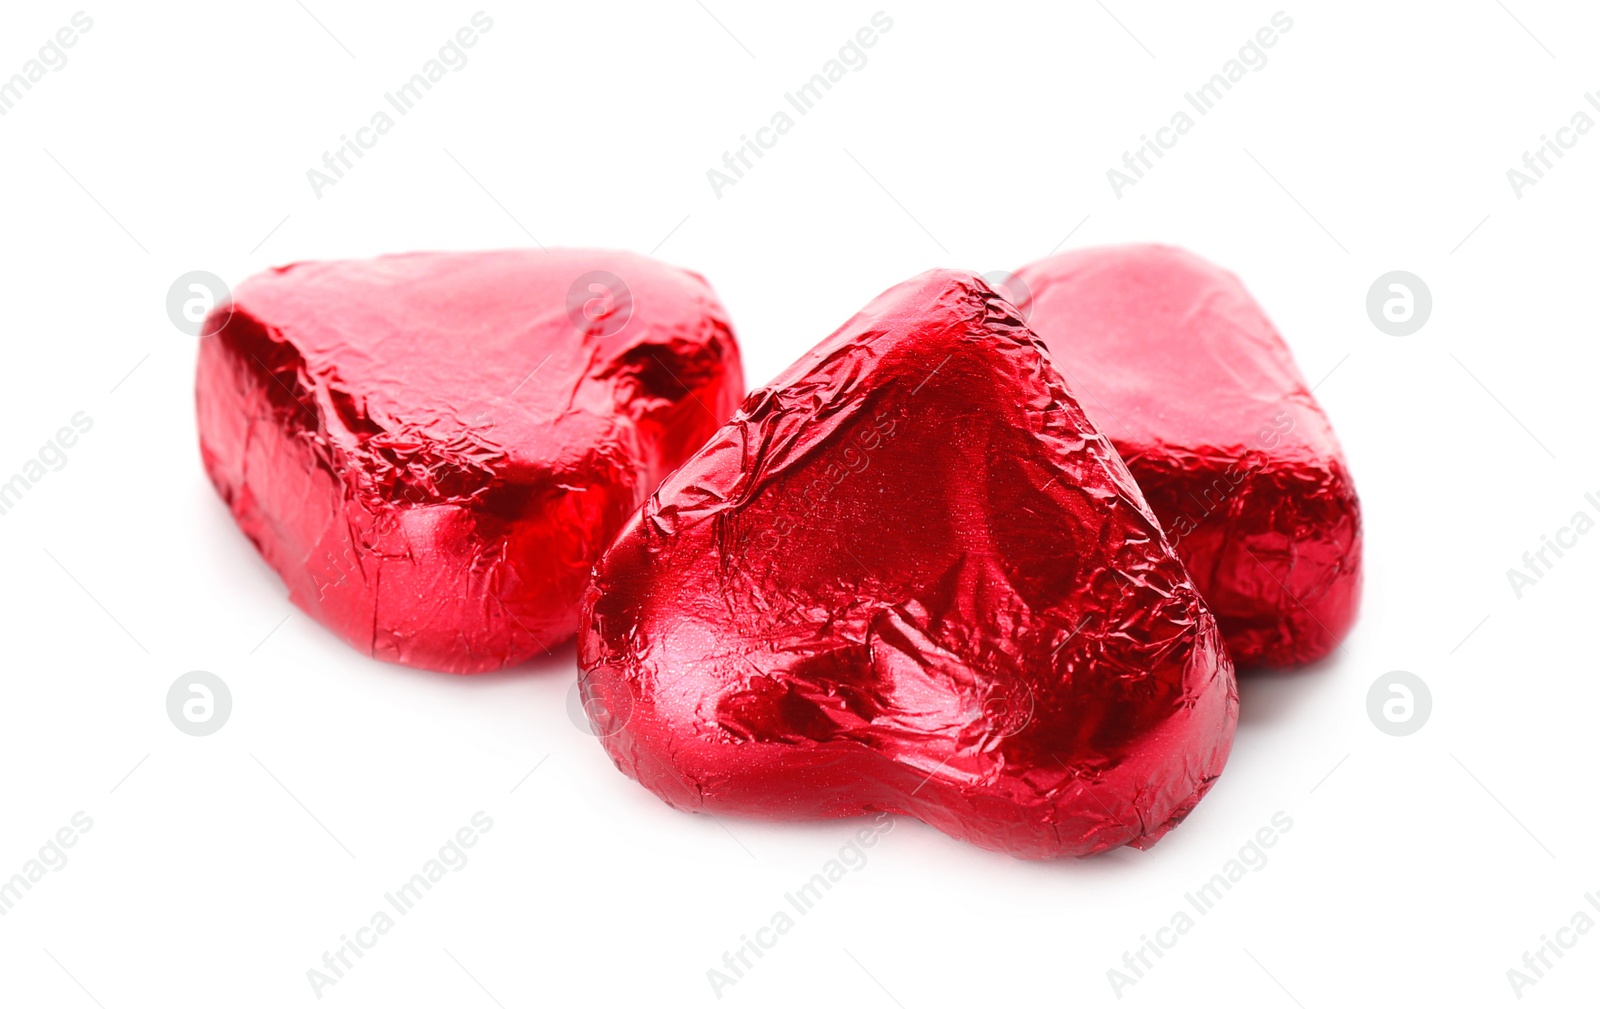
pixel 1182 369
pixel 432 449
pixel 910 576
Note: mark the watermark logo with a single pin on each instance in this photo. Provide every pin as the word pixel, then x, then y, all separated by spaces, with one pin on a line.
pixel 1399 703
pixel 51 457
pixel 450 858
pixel 851 57
pixel 1251 858
pixel 1012 288
pixel 1399 303
pixel 599 302
pixel 52 57
pixel 451 58
pixel 192 297
pixel 851 858
pixel 199 703
pixel 1537 962
pixel 1251 58
pixel 1538 562
pixel 1211 498
pixel 808 498
pixel 1537 162
pixel 52 857
pixel 599 716
pixel 1004 708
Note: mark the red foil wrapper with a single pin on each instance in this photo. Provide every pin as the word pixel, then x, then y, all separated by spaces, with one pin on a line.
pixel 910 576
pixel 433 449
pixel 1176 362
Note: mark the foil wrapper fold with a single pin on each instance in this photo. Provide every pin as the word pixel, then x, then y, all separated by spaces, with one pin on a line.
pixel 433 449
pixel 911 576
pixel 1177 363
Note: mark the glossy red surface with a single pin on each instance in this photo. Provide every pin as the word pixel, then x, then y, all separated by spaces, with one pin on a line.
pixel 433 449
pixel 911 576
pixel 1174 360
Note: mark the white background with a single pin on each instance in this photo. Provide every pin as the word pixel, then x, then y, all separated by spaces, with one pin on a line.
pixel 219 869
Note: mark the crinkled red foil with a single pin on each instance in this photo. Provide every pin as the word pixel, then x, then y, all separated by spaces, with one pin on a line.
pixel 433 449
pixel 911 576
pixel 1178 365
